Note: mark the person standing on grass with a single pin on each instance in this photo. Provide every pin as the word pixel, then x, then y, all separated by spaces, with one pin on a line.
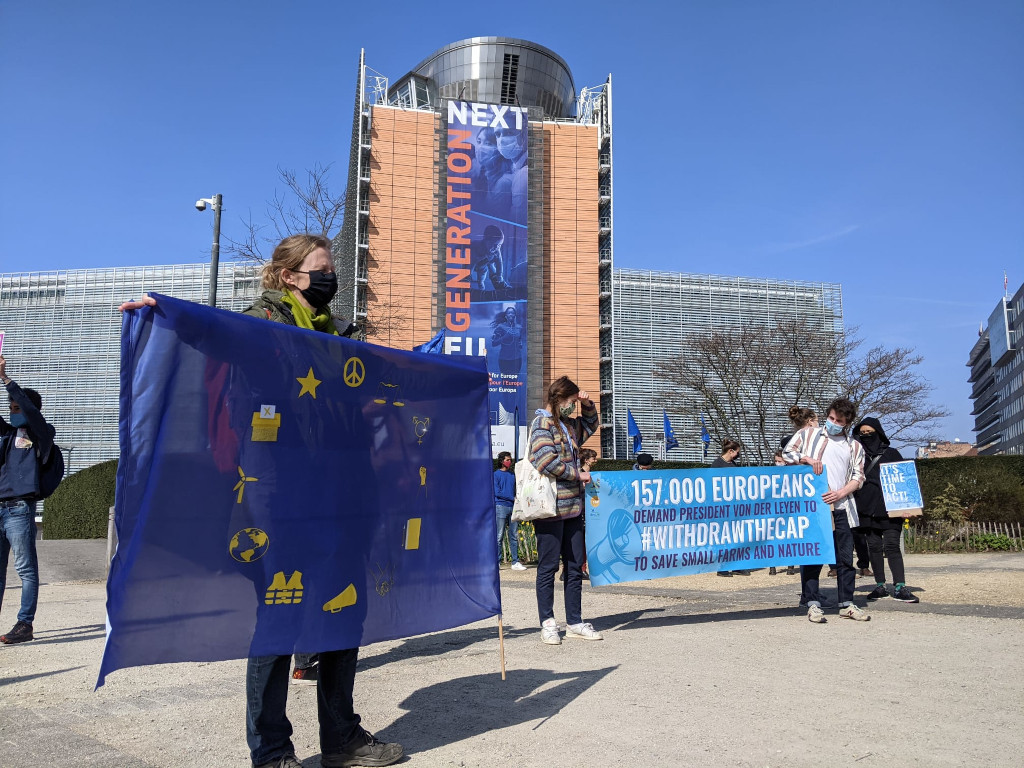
pixel 882 532
pixel 504 499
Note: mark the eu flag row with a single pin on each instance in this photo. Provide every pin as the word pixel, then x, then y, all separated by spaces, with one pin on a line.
pixel 281 490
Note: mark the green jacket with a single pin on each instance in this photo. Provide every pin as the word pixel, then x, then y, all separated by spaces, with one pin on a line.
pixel 269 306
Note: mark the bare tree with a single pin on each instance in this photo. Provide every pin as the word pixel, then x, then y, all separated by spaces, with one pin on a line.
pixel 745 379
pixel 310 206
pixel 884 383
pixel 304 207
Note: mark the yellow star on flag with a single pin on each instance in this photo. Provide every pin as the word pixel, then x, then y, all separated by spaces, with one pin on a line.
pixel 240 485
pixel 309 384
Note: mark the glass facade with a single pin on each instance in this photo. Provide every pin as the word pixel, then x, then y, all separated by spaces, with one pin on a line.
pixel 654 312
pixel 997 379
pixel 63 339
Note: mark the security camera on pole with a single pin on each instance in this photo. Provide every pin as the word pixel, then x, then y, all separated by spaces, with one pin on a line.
pixel 201 205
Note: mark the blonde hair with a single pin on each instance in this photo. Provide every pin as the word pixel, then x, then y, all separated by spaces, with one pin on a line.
pixel 289 254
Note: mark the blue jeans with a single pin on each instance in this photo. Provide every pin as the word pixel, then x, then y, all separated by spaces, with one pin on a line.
pixel 267 729
pixel 18 532
pixel 842 538
pixel 504 515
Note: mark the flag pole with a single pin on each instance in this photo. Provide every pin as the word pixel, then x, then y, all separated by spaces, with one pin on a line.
pixel 501 645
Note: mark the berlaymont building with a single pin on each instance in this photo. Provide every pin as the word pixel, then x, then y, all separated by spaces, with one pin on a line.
pixel 479 203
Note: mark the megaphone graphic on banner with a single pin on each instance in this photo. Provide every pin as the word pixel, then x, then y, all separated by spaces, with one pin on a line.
pixel 620 546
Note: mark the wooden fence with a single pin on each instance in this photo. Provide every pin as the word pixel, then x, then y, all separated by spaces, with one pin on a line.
pixel 944 536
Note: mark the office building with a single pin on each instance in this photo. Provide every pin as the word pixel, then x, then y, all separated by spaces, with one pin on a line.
pixel 480 202
pixel 656 313
pixel 62 337
pixel 997 379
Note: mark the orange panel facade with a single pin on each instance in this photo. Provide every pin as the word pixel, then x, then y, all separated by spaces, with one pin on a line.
pixel 571 311
pixel 403 209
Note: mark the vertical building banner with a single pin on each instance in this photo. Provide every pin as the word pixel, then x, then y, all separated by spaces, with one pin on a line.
pixel 486 256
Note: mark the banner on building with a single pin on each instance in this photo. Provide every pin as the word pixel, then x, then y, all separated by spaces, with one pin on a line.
pixel 652 524
pixel 281 490
pixel 486 255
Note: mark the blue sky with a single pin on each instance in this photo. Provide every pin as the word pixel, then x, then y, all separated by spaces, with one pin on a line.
pixel 876 144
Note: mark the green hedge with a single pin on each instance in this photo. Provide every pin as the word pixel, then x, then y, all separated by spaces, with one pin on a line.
pixel 979 488
pixel 80 506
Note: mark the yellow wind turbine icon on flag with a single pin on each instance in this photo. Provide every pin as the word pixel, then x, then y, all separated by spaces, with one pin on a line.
pixel 242 480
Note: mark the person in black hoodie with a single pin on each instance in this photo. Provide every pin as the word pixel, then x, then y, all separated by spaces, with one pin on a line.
pixel 25 443
pixel 883 532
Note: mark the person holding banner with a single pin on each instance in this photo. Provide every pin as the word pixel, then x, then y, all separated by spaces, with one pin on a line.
pixel 831 448
pixel 555 440
pixel 883 532
pixel 299 283
pixel 727 458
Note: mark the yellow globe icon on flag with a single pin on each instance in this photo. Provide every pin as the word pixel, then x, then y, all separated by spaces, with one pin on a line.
pixel 249 545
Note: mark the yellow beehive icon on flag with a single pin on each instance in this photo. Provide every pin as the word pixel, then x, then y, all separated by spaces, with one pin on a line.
pixel 265 423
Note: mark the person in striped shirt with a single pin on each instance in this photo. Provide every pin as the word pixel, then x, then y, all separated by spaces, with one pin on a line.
pixel 830 448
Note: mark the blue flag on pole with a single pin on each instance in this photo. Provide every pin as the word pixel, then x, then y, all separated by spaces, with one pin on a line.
pixel 281 490
pixel 632 430
pixel 670 435
pixel 705 436
pixel 433 347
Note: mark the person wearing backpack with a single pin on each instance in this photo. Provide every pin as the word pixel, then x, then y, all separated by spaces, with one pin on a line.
pixel 26 446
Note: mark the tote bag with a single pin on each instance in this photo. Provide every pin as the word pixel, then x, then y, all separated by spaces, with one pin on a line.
pixel 535 494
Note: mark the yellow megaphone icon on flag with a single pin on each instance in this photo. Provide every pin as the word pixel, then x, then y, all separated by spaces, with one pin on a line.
pixel 344 600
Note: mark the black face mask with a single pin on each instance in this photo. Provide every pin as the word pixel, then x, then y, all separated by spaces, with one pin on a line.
pixel 322 287
pixel 872 443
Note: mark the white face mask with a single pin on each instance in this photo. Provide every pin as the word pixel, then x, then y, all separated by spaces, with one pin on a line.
pixel 832 428
pixel 508 146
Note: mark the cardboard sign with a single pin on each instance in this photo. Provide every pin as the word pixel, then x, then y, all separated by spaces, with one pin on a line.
pixel 901 489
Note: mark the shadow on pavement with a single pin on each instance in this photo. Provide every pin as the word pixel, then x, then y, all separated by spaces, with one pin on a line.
pixel 23 678
pixel 440 643
pixel 466 707
pixel 640 620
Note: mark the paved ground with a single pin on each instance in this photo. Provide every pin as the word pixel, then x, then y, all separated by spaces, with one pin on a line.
pixel 694 671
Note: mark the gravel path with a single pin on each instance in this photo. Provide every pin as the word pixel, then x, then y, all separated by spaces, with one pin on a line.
pixel 699 670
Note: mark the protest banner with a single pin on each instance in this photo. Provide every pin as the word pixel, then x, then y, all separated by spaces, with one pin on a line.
pixel 653 524
pixel 901 489
pixel 281 490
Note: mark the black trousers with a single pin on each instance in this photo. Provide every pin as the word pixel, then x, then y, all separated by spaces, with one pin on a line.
pixel 886 543
pixel 556 537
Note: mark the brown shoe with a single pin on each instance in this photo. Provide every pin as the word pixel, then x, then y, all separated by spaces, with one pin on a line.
pixel 864 572
pixel 831 573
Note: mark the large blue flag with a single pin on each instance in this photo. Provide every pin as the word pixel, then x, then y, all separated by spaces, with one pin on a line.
pixel 433 347
pixel 633 431
pixel 670 435
pixel 281 490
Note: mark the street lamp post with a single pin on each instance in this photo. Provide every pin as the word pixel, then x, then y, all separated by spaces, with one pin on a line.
pixel 201 205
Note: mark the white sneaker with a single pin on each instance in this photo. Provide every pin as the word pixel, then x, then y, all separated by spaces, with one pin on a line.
pixel 549 632
pixel 853 612
pixel 517 566
pixel 815 615
pixel 583 631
